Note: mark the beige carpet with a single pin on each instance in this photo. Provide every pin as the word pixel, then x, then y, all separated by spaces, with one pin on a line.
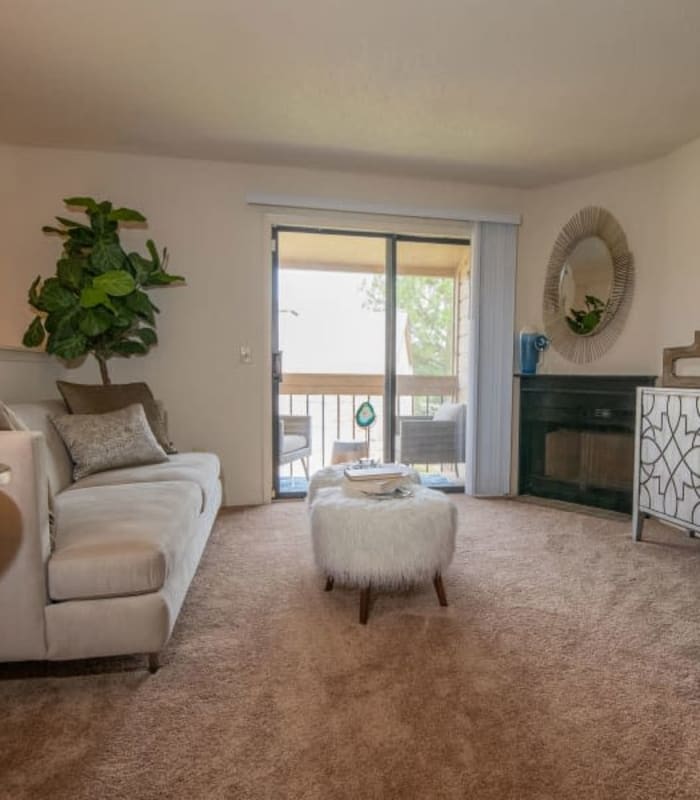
pixel 567 666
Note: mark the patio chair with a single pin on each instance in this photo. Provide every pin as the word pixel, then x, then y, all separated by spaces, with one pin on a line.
pixel 440 439
pixel 295 440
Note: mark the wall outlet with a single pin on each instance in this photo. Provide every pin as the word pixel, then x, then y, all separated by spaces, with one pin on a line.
pixel 246 354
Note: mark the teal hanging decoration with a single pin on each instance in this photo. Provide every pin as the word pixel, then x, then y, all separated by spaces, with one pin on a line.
pixel 365 415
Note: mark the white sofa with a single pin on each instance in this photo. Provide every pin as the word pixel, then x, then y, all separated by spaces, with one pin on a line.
pixel 126 545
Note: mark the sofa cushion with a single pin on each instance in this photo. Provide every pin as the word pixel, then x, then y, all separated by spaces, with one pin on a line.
pixel 202 469
pixel 120 540
pixel 37 417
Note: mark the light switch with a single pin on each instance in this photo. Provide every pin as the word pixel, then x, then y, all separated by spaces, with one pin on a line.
pixel 246 354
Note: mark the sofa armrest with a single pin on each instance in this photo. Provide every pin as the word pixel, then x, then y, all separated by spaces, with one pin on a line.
pixel 24 547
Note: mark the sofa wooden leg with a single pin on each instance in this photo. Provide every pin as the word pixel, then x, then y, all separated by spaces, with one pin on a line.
pixel 364 605
pixel 329 584
pixel 153 662
pixel 440 589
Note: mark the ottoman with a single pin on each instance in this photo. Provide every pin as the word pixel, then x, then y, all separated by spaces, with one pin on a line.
pixel 394 543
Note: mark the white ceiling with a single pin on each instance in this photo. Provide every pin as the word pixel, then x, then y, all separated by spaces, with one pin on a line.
pixel 512 92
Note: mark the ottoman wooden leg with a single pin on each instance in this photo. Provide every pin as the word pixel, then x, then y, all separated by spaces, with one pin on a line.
pixel 364 605
pixel 440 589
pixel 329 584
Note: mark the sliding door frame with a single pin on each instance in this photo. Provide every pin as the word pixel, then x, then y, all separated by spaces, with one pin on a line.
pixel 391 275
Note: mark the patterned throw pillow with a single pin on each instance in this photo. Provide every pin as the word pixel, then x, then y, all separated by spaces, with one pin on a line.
pixel 98 442
pixel 82 398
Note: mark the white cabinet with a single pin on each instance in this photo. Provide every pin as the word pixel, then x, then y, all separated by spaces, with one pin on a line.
pixel 667 458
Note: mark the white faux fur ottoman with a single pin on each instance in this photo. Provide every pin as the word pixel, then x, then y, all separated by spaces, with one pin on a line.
pixel 383 543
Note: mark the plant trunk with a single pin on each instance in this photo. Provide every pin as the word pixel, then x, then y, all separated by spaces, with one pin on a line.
pixel 103 370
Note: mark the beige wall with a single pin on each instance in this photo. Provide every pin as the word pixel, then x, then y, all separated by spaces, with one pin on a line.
pixel 198 210
pixel 658 205
pixel 27 375
pixel 637 198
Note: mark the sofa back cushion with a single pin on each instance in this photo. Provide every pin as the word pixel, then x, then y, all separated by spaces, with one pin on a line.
pixel 37 417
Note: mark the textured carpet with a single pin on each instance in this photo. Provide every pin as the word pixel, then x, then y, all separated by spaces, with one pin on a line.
pixel 567 666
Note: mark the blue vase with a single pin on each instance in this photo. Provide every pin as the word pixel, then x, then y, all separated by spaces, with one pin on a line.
pixel 529 354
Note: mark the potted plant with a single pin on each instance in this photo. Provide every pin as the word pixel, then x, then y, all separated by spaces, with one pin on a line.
pixel 98 301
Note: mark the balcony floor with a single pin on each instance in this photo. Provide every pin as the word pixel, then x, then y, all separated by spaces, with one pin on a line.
pixel 297 484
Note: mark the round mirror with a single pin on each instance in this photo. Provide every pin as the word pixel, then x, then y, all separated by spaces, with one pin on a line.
pixel 585 285
pixel 588 288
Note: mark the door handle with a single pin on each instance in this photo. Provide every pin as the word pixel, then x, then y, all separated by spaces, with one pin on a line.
pixel 277 366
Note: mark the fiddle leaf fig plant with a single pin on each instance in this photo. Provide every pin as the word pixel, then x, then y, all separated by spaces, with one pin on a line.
pixel 98 300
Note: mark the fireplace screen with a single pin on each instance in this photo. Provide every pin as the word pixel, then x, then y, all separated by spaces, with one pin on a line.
pixel 577 438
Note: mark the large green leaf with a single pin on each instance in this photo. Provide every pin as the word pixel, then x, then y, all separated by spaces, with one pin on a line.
pixel 34 335
pixel 70 272
pixel 54 297
pixel 126 215
pixel 153 250
pixel 69 347
pixel 141 267
pixel 82 236
pixel 33 295
pixel 160 278
pixel 147 335
pixel 59 319
pixel 91 297
pixel 130 347
pixel 115 282
pixel 140 303
pixel 81 202
pixel 124 317
pixel 49 229
pixel 71 223
pixel 107 256
pixel 95 321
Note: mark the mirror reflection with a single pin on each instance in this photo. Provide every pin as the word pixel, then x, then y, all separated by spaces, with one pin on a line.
pixel 585 285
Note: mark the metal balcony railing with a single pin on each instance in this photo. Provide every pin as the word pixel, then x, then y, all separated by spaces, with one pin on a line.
pixel 331 400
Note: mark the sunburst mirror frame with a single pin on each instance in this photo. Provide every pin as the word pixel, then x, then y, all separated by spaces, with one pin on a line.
pixel 583 348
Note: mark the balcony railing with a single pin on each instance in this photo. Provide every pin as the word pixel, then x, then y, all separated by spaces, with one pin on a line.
pixel 331 400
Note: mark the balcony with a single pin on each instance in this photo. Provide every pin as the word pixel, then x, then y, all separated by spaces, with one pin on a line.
pixel 331 400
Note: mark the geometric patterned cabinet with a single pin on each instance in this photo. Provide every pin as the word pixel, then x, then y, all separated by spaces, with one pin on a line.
pixel 667 458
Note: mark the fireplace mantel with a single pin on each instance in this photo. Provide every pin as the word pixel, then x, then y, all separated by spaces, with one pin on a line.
pixel 577 438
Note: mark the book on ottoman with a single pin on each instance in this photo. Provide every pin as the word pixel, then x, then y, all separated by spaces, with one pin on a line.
pixel 380 472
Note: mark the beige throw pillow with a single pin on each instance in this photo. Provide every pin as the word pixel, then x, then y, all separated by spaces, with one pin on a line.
pixel 81 398
pixel 98 442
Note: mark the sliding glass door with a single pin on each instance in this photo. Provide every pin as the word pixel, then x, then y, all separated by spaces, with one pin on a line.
pixel 366 323
pixel 432 310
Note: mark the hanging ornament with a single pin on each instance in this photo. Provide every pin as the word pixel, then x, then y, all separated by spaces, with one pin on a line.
pixel 365 415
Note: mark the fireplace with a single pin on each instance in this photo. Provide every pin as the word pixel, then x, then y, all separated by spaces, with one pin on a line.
pixel 577 438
